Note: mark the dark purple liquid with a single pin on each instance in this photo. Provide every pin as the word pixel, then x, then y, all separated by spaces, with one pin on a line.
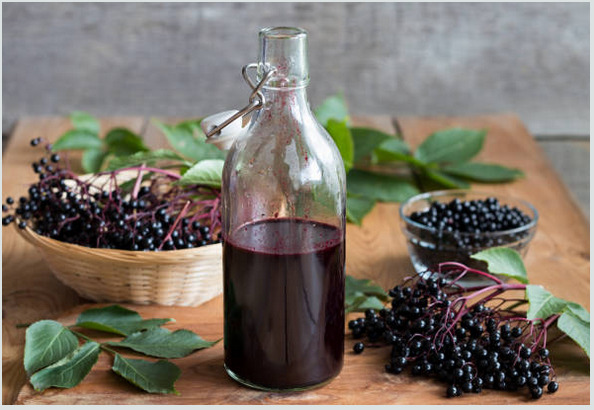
pixel 284 303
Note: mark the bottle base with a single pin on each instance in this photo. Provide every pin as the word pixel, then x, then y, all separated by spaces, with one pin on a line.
pixel 248 383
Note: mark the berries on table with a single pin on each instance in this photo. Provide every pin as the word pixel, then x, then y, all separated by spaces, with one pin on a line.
pixel 358 347
pixel 470 346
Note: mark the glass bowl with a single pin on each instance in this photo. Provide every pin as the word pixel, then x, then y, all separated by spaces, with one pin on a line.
pixel 429 246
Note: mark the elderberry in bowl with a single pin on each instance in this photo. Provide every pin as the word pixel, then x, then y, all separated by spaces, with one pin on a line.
pixel 452 225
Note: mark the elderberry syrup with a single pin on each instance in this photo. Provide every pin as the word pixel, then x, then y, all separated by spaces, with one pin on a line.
pixel 283 220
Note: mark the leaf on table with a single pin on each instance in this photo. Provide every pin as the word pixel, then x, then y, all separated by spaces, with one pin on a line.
pixel 579 311
pixel 147 158
pixel 333 107
pixel 84 121
pixel 122 141
pixel 208 172
pixel 77 139
pixel 116 319
pixel 379 187
pixel 481 172
pixel 69 371
pixel 341 135
pixel 395 150
pixel 188 139
pixel 445 180
pixel 365 140
pixel 152 377
pixel 542 303
pixel 576 328
pixel 504 261
pixel 362 294
pixel 451 146
pixel 357 208
pixel 159 342
pixel 46 342
pixel 92 159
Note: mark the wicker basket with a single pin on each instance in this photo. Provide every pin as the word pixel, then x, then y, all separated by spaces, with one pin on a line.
pixel 186 277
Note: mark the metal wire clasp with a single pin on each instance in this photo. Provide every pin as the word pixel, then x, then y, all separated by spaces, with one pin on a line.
pixel 256 100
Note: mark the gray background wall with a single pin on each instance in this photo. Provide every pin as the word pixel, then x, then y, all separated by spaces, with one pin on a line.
pixel 184 59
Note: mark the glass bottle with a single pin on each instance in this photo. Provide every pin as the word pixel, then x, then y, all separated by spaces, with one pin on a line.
pixel 283 201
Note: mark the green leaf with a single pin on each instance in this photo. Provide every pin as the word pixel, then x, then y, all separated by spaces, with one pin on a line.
pixel 159 342
pixel 395 150
pixel 357 208
pixel 451 146
pixel 69 371
pixel 344 141
pixel 444 179
pixel 122 141
pixel 77 139
pixel 116 319
pixel 92 159
pixel 152 377
pixel 148 158
pixel 379 187
pixel 504 261
pixel 188 139
pixel 366 140
pixel 84 121
pixel 46 342
pixel 482 172
pixel 576 328
pixel 579 311
pixel 333 107
pixel 362 294
pixel 542 303
pixel 207 172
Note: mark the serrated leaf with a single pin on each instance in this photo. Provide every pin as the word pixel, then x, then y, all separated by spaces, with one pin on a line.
pixel 542 303
pixel 46 342
pixel 69 371
pixel 163 343
pixel 333 107
pixel 152 377
pixel 577 329
pixel 341 135
pixel 188 139
pixel 505 262
pixel 365 140
pixel 92 159
pixel 379 187
pixel 116 319
pixel 451 146
pixel 445 180
pixel 478 171
pixel 361 294
pixel 207 172
pixel 357 208
pixel 147 158
pixel 122 141
pixel 84 121
pixel 77 139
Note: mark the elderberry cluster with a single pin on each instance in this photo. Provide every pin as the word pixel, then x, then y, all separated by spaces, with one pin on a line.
pixel 468 347
pixel 65 208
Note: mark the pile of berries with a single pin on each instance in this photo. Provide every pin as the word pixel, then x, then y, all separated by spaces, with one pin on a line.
pixel 435 332
pixel 157 216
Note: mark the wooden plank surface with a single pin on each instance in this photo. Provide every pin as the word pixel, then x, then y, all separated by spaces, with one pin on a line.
pixel 558 259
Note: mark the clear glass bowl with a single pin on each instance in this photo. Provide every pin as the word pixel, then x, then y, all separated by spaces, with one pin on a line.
pixel 428 246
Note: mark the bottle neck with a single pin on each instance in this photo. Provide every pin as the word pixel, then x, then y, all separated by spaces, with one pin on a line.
pixel 281 103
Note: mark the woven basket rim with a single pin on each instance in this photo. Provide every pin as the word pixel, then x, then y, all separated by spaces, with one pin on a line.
pixel 158 257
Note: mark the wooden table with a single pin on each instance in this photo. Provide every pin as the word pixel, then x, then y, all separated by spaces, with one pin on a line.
pixel 559 259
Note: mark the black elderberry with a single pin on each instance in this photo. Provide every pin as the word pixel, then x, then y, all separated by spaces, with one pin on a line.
pixel 536 392
pixel 553 387
pixel 452 391
pixel 55 158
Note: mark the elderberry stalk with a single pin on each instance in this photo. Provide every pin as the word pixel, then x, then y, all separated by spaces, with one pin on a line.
pixel 150 212
pixel 469 338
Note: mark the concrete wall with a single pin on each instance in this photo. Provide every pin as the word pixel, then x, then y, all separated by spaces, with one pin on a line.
pixel 184 59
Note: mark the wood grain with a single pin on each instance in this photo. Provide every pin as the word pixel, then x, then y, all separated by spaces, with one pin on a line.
pixel 558 258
